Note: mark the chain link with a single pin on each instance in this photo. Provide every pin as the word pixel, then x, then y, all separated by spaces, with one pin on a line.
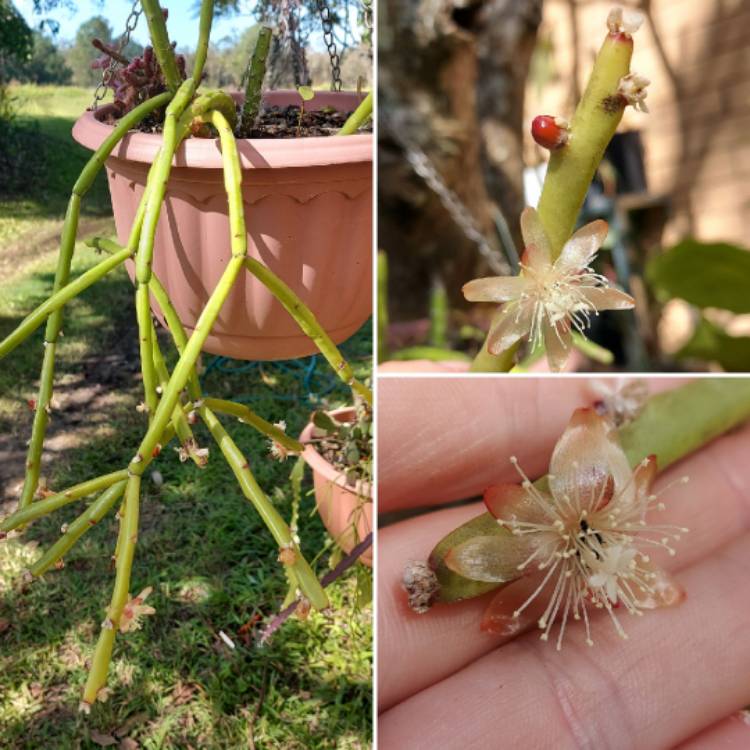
pixel 422 166
pixel 108 72
pixel 330 42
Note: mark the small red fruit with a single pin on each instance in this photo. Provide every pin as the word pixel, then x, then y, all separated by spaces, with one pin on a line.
pixel 549 132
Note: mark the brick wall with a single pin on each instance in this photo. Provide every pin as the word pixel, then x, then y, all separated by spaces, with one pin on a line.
pixel 697 143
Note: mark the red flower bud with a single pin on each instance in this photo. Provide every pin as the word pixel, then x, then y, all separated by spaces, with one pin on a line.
pixel 32 404
pixel 549 132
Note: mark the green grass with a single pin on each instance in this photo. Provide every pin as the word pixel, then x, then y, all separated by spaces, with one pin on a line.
pixel 201 546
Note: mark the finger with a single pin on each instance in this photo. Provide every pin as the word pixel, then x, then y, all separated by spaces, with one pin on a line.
pixel 681 670
pixel 732 733
pixel 417 650
pixel 442 439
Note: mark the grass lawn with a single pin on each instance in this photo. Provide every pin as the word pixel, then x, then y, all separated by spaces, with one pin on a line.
pixel 201 546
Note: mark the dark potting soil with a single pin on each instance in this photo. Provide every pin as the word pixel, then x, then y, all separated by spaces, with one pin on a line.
pixel 281 122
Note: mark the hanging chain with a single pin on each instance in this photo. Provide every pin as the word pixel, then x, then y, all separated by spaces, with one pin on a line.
pixel 421 164
pixel 130 24
pixel 367 16
pixel 325 17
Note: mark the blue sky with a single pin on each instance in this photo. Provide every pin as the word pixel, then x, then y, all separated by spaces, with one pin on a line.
pixel 182 23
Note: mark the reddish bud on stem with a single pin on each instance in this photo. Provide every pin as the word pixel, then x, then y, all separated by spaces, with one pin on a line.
pixel 550 132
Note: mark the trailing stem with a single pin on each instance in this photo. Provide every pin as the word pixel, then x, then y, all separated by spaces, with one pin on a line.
pixel 204 33
pixel 307 321
pixel 62 276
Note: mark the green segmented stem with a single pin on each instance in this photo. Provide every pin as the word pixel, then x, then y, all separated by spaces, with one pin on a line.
pixel 179 418
pixel 157 29
pixel 126 542
pixel 171 139
pixel 255 76
pixel 306 578
pixel 673 425
pixel 248 416
pixel 572 167
pixel 204 34
pixel 90 517
pixel 358 118
pixel 62 276
pixel 59 499
pixel 307 321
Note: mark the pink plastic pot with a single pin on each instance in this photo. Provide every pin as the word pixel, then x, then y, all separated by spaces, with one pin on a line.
pixel 308 209
pixel 346 511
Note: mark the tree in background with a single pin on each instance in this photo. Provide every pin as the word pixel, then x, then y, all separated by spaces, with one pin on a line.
pixel 45 65
pixel 15 38
pixel 82 53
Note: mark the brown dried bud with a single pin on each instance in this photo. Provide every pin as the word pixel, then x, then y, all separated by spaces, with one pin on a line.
pixel 421 584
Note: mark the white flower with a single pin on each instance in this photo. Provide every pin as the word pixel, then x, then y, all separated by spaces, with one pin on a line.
pixel 586 536
pixel 624 20
pixel 134 610
pixel 632 88
pixel 547 299
pixel 275 448
pixel 619 400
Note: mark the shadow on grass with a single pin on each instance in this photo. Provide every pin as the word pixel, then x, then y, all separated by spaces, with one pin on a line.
pixel 204 550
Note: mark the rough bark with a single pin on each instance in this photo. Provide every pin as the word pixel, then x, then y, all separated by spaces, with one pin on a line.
pixel 452 77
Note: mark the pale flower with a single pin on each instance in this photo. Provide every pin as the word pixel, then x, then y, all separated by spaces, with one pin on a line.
pixel 134 610
pixel 619 400
pixel 624 20
pixel 586 535
pixel 275 448
pixel 549 298
pixel 632 88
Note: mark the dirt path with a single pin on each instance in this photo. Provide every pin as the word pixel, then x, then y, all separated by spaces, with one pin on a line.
pixel 103 383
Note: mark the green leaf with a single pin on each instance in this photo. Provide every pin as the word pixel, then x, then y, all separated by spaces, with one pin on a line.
pixel 306 92
pixel 324 422
pixel 706 275
pixel 711 344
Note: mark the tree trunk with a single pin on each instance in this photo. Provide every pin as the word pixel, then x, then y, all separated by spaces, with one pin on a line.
pixel 452 78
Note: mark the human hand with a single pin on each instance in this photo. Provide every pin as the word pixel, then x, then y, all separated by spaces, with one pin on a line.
pixel 444 684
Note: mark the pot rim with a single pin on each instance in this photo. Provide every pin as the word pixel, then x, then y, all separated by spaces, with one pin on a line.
pixel 255 153
pixel 320 465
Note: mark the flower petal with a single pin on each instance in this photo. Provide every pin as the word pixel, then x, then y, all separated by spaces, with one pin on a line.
pixel 513 323
pixel 494 559
pixel 557 342
pixel 536 245
pixel 667 592
pixel 607 297
pixel 581 248
pixel 494 289
pixel 508 502
pixel 588 463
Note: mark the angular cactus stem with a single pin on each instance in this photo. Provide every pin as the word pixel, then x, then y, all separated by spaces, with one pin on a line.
pixel 248 416
pixel 358 118
pixel 255 77
pixel 62 276
pixel 204 34
pixel 157 29
pixel 59 499
pixel 126 542
pixel 307 321
pixel 90 517
pixel 572 167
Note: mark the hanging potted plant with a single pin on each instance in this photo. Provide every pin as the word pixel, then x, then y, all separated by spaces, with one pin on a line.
pixel 173 400
pixel 310 195
pixel 338 449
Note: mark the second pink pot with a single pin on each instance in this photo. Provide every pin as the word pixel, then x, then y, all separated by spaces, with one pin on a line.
pixel 308 210
pixel 346 511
